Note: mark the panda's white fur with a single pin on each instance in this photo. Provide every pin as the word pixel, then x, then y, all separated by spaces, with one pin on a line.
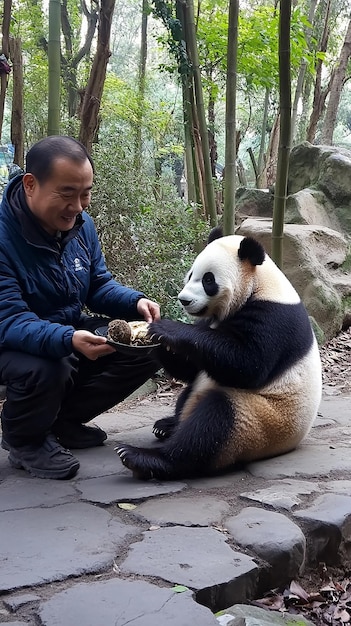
pixel 251 362
pixel 266 281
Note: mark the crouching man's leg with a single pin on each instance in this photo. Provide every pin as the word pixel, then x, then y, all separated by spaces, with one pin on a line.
pixel 35 389
pixel 99 385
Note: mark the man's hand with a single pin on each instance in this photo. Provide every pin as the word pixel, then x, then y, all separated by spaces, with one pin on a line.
pixel 90 345
pixel 149 310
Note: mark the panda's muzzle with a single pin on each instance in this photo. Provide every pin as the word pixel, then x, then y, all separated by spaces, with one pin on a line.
pixel 190 307
pixel 184 303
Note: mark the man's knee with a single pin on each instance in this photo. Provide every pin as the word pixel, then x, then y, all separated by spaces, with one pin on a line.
pixel 35 373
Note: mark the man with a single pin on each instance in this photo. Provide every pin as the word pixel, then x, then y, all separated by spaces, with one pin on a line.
pixel 59 374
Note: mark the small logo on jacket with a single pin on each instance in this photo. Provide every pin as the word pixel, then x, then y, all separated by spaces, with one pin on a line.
pixel 77 265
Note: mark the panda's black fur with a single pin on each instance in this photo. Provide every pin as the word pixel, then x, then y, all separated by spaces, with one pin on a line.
pixel 251 364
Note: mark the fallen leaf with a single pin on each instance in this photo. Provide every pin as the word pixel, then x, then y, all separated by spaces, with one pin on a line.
pixel 296 589
pixel 341 614
pixel 179 588
pixel 126 506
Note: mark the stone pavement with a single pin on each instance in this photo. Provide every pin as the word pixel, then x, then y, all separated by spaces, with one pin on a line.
pixel 106 550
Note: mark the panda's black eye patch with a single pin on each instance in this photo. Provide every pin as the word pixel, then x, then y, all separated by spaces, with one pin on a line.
pixel 209 284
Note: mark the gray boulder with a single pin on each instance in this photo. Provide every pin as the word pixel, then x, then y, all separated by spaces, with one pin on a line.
pixel 310 253
pixel 311 206
pixel 253 203
pixel 326 169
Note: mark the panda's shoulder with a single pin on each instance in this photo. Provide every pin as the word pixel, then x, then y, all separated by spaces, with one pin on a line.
pixel 268 316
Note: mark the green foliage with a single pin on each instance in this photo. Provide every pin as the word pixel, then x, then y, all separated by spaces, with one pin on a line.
pixel 346 266
pixel 149 243
pixel 162 126
pixel 175 37
pixel 257 44
pixel 346 303
pixel 29 21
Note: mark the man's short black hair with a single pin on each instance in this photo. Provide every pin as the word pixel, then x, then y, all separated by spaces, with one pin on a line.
pixel 41 156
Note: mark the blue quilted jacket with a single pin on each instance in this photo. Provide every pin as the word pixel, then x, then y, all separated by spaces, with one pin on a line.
pixel 45 282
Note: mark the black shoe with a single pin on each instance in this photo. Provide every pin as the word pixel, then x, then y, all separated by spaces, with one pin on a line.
pixel 74 435
pixel 48 460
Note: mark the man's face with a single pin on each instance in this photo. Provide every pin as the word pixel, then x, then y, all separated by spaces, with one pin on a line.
pixel 57 202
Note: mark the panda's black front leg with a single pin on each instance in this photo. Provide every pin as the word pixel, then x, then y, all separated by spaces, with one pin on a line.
pixel 164 427
pixel 193 449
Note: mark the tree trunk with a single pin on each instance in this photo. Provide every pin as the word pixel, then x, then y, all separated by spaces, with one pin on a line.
pixel 7 6
pixel 92 96
pixel 17 127
pixel 261 178
pixel 193 53
pixel 319 95
pixel 301 128
pixel 211 125
pixel 141 94
pixel 193 195
pixel 70 61
pixel 285 132
pixel 189 145
pixel 336 85
pixel 54 58
pixel 199 169
pixel 270 169
pixel 302 70
pixel 230 120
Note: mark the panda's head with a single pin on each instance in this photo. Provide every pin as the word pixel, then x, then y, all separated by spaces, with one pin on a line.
pixel 222 277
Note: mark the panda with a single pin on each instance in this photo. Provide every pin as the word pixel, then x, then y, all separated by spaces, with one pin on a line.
pixel 250 362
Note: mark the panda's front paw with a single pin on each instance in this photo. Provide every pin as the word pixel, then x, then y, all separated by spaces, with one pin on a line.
pixel 163 331
pixel 145 463
pixel 164 427
pixel 130 457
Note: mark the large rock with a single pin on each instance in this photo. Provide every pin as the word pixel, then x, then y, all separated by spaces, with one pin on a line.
pixel 253 203
pixel 311 206
pixel 275 539
pixel 309 253
pixel 326 169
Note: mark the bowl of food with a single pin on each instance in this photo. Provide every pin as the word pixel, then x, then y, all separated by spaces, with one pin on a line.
pixel 128 337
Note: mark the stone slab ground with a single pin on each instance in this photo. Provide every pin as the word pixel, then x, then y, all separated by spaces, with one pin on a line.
pixel 106 550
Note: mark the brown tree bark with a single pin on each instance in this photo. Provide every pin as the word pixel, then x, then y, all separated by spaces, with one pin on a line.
pixel 141 93
pixel 272 153
pixel 319 96
pixel 69 60
pixel 302 70
pixel 5 49
pixel 17 127
pixel 284 148
pixel 191 42
pixel 92 95
pixel 336 85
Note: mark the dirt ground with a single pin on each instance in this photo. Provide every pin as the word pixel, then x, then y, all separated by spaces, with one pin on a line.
pixel 336 363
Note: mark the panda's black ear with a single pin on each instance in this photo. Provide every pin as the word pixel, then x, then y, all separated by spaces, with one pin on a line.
pixel 216 233
pixel 251 250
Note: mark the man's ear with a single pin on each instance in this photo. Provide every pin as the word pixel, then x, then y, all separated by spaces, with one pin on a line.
pixel 29 183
